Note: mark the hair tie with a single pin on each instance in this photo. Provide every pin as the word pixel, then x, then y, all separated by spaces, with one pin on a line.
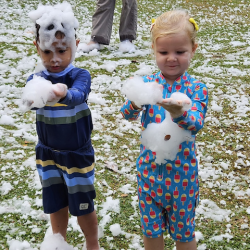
pixel 152 23
pixel 191 20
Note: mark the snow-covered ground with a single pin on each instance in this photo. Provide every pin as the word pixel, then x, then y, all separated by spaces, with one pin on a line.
pixel 222 62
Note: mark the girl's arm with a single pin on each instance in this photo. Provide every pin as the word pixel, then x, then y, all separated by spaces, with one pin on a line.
pixel 130 111
pixel 193 119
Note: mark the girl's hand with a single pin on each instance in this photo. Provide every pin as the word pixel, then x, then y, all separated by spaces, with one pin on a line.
pixel 174 107
pixel 134 106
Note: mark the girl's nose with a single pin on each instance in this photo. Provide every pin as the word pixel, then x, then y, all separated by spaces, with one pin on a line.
pixel 171 57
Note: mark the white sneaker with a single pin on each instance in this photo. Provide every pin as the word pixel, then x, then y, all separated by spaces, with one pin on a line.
pixel 126 47
pixel 87 47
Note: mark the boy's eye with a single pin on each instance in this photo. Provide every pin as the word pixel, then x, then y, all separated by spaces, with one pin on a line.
pixel 46 51
pixel 61 51
pixel 163 52
pixel 180 52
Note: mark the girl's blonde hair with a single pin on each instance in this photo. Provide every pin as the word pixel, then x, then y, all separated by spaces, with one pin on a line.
pixel 172 22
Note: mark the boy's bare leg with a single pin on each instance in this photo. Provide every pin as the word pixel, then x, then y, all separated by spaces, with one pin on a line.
pixel 89 226
pixel 153 243
pixel 186 245
pixel 59 221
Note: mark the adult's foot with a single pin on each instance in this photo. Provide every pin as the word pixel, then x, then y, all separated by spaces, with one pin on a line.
pixel 87 47
pixel 127 47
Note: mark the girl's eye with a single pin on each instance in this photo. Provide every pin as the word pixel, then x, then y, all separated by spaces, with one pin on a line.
pixel 163 53
pixel 180 52
pixel 61 51
pixel 46 51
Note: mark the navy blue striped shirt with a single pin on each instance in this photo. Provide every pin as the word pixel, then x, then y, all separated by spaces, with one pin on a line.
pixel 68 124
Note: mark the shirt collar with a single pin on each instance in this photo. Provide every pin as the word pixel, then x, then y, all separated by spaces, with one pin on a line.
pixel 62 73
pixel 178 80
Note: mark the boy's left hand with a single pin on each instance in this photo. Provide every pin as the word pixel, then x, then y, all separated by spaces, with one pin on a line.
pixel 59 92
pixel 174 107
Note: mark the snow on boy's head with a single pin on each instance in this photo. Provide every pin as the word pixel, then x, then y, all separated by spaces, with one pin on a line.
pixel 55 25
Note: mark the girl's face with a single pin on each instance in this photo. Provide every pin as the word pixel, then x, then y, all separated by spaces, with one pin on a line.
pixel 173 55
pixel 57 59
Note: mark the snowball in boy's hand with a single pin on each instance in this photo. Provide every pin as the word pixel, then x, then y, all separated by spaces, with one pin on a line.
pixel 38 92
pixel 141 93
pixel 164 139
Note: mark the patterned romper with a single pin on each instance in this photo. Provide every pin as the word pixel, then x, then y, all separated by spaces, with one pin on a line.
pixel 169 193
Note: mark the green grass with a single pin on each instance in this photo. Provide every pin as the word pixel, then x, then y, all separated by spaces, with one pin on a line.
pixel 221 22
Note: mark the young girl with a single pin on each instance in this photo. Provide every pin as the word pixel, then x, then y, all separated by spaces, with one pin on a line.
pixel 168 193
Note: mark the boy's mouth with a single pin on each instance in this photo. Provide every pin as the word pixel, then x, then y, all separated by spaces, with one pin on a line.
pixel 55 67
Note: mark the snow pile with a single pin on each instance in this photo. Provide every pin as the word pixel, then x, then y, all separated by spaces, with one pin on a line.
pixel 38 92
pixel 126 46
pixel 115 229
pixel 55 242
pixel 141 93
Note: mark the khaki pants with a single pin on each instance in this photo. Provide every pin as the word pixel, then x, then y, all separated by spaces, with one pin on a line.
pixel 102 21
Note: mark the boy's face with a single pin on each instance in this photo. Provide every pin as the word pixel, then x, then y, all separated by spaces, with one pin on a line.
pixel 58 58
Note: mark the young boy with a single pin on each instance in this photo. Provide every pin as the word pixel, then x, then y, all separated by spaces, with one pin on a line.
pixel 64 153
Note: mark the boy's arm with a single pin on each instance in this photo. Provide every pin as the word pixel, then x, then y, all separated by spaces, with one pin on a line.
pixel 79 91
pixel 193 119
pixel 130 111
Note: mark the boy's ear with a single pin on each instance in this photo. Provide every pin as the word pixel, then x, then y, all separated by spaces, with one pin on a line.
pixel 35 43
pixel 77 42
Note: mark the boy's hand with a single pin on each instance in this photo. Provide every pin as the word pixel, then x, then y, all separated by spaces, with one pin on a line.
pixel 59 91
pixel 174 107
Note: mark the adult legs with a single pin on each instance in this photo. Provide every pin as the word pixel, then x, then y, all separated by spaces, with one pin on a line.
pixel 59 221
pixel 128 21
pixel 102 21
pixel 89 226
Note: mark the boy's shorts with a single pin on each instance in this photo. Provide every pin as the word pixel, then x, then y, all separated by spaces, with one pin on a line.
pixel 67 179
pixel 164 207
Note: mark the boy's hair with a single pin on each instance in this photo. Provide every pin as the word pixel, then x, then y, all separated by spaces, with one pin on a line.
pixel 59 34
pixel 172 22
pixel 53 23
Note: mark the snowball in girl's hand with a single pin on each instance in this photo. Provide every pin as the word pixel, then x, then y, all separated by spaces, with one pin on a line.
pixel 37 93
pixel 142 93
pixel 186 101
